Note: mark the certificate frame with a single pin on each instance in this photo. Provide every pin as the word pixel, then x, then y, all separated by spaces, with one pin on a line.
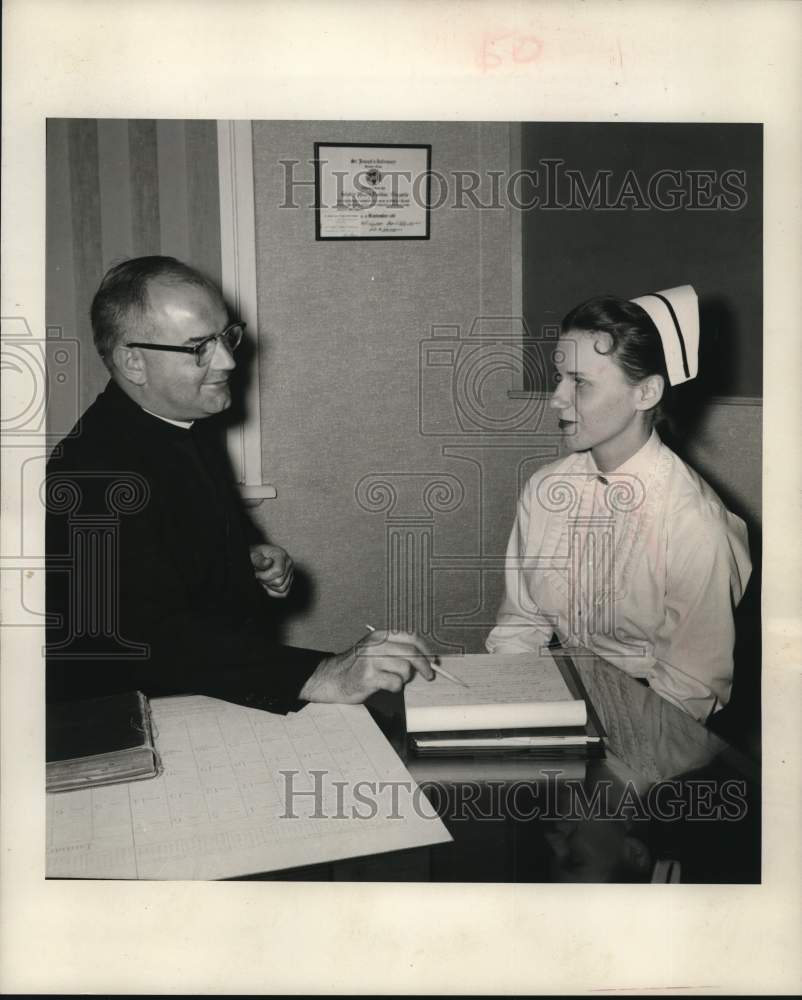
pixel 358 198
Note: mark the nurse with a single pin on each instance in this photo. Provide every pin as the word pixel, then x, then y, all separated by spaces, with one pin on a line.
pixel 620 548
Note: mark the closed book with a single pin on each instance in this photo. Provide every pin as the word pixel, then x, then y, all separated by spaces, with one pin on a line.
pixel 99 741
pixel 511 704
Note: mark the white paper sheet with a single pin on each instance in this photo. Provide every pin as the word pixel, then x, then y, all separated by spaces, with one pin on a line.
pixel 505 691
pixel 504 742
pixel 223 808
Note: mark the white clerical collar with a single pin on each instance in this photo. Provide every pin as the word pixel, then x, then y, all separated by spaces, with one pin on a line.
pixel 186 424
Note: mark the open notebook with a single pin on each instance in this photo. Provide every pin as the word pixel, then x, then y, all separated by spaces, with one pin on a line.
pixel 244 792
pixel 513 703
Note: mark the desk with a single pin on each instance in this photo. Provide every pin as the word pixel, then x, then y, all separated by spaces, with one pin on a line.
pixel 699 798
pixel 669 791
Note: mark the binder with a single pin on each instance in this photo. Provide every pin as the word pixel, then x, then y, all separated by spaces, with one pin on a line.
pixel 562 725
pixel 99 741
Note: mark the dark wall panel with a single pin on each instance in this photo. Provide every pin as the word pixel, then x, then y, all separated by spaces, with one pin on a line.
pixel 87 246
pixel 626 237
pixel 203 197
pixel 144 188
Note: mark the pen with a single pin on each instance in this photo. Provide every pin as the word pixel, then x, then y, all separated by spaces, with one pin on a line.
pixel 437 669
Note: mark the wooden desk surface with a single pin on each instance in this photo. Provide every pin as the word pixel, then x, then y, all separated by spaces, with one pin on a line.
pixel 516 820
pixel 649 734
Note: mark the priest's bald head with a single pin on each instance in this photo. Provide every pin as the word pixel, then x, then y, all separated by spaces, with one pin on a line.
pixel 164 332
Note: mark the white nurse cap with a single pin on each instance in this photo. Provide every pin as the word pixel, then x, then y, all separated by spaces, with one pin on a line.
pixel 675 313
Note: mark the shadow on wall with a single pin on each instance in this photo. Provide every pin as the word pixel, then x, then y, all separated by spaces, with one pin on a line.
pixel 304 589
pixel 722 441
pixel 246 358
pixel 691 400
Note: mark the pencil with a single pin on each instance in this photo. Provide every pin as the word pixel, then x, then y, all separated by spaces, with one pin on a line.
pixel 437 669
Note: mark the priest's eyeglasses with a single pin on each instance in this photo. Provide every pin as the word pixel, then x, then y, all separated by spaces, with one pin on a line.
pixel 204 349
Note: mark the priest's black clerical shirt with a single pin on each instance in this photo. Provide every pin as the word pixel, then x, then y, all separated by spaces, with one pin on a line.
pixel 149 580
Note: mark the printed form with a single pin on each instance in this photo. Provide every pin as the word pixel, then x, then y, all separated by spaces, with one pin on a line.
pixel 244 791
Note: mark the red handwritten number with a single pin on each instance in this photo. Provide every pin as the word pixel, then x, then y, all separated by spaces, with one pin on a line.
pixel 488 42
pixel 509 47
pixel 526 49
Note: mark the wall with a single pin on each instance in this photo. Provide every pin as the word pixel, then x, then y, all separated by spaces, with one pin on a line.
pixel 341 329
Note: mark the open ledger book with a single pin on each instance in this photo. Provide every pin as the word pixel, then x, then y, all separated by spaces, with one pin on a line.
pixel 513 703
pixel 244 792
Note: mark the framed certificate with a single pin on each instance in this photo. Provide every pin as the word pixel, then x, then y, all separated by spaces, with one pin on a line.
pixel 369 191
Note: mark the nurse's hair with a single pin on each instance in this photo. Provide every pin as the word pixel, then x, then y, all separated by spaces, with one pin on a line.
pixel 636 345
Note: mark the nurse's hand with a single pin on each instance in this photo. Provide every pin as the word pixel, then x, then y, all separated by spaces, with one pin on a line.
pixel 273 568
pixel 382 661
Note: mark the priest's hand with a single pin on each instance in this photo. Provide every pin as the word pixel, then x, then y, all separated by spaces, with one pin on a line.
pixel 382 661
pixel 273 568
